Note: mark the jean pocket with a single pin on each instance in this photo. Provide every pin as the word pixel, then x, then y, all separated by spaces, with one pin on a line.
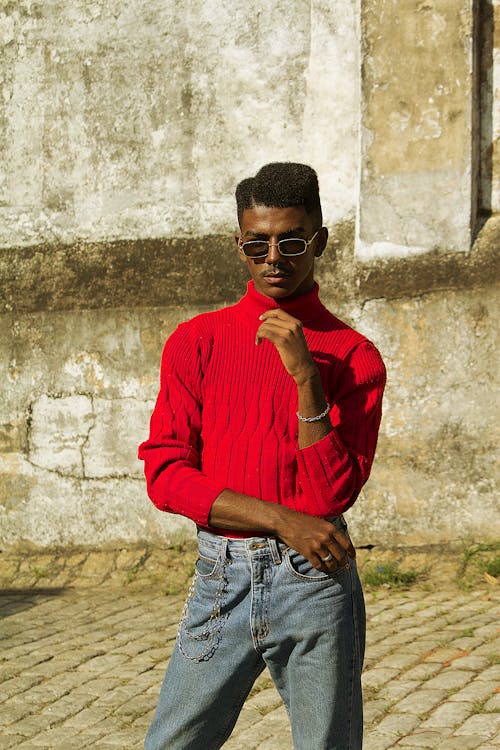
pixel 206 567
pixel 202 620
pixel 301 568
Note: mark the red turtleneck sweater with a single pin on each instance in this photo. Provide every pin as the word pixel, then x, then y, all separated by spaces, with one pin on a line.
pixel 225 416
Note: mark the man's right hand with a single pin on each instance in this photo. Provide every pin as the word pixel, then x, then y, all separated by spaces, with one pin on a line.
pixel 312 537
pixel 316 539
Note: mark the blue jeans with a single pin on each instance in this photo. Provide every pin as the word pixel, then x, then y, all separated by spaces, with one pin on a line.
pixel 256 603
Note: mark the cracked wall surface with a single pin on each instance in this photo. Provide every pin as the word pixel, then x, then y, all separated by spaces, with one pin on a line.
pixel 124 128
pixel 82 387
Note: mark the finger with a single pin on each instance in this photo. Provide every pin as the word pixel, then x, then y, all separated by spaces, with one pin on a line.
pixel 273 324
pixel 334 552
pixel 344 541
pixel 280 314
pixel 277 334
pixel 330 564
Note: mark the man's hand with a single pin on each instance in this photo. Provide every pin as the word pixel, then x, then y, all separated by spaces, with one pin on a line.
pixel 317 539
pixel 313 537
pixel 286 333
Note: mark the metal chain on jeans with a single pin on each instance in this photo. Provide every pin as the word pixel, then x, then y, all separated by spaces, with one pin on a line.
pixel 213 628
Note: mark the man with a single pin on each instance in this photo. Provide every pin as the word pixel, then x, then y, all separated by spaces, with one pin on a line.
pixel 263 433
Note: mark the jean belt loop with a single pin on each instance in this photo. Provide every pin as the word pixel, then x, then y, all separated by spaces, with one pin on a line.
pixel 275 551
pixel 223 548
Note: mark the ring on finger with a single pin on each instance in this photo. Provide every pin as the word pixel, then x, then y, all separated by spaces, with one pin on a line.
pixel 328 557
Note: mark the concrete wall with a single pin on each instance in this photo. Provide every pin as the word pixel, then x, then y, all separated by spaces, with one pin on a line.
pixel 125 127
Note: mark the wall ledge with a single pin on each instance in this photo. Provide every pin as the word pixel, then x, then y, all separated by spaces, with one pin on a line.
pixel 205 271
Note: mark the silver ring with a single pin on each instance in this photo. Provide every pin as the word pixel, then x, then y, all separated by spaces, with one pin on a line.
pixel 328 557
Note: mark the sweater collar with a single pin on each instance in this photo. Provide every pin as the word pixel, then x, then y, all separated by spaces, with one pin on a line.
pixel 305 308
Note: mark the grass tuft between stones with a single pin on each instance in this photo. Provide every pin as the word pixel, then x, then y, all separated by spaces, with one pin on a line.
pixel 388 575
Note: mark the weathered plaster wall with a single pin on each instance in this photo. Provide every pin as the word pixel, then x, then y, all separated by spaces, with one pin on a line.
pixel 135 119
pixel 124 129
pixel 82 386
pixel 489 44
pixel 416 139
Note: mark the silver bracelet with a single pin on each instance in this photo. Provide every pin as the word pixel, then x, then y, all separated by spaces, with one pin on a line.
pixel 314 419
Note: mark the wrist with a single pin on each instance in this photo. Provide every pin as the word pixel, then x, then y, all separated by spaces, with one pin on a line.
pixel 282 516
pixel 307 378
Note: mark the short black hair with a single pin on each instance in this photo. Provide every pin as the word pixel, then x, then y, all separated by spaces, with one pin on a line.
pixel 280 185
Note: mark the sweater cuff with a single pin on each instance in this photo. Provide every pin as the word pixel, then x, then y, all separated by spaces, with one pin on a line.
pixel 193 496
pixel 321 466
pixel 323 450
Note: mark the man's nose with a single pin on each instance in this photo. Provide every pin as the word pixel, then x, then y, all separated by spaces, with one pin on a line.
pixel 273 253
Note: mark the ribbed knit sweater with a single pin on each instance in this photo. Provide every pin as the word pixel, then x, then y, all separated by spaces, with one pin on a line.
pixel 225 416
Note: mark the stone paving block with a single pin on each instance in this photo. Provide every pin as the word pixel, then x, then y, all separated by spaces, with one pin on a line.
pixel 95 687
pixel 373 711
pixel 422 648
pixel 398 661
pixel 85 718
pixel 270 744
pixel 261 731
pixel 397 689
pixel 449 715
pixel 486 725
pixel 423 671
pixel 470 742
pixel 420 701
pixel 379 677
pixel 398 724
pixel 477 690
pixel 97 730
pixel 444 655
pixel 10 741
pixel 378 741
pixel 466 643
pixel 490 646
pixel 472 662
pixel 450 679
pixel 10 712
pixel 488 631
pixel 421 739
pixel 28 726
pixel 128 738
pixel 493 704
pixel 51 738
pixel 118 696
pixel 17 685
pixel 492 673
pixel 106 663
pixel 130 709
pixel 65 707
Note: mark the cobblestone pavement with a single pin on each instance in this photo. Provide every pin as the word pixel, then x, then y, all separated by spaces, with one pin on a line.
pixel 82 669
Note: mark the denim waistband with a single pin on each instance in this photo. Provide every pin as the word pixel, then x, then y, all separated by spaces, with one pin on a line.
pixel 251 545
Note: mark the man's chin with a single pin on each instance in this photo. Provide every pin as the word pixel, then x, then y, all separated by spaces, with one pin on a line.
pixel 276 288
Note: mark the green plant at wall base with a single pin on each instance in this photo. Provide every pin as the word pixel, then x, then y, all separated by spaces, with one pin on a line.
pixel 493 567
pixel 483 557
pixel 388 574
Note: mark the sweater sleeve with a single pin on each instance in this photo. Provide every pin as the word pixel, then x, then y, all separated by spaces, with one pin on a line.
pixel 332 471
pixel 171 454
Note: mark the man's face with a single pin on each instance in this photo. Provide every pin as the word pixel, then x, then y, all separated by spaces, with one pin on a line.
pixel 275 275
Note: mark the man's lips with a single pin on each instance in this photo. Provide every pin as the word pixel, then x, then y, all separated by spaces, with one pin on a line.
pixel 276 275
pixel 276 278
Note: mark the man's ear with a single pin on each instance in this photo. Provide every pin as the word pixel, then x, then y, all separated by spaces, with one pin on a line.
pixel 321 242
